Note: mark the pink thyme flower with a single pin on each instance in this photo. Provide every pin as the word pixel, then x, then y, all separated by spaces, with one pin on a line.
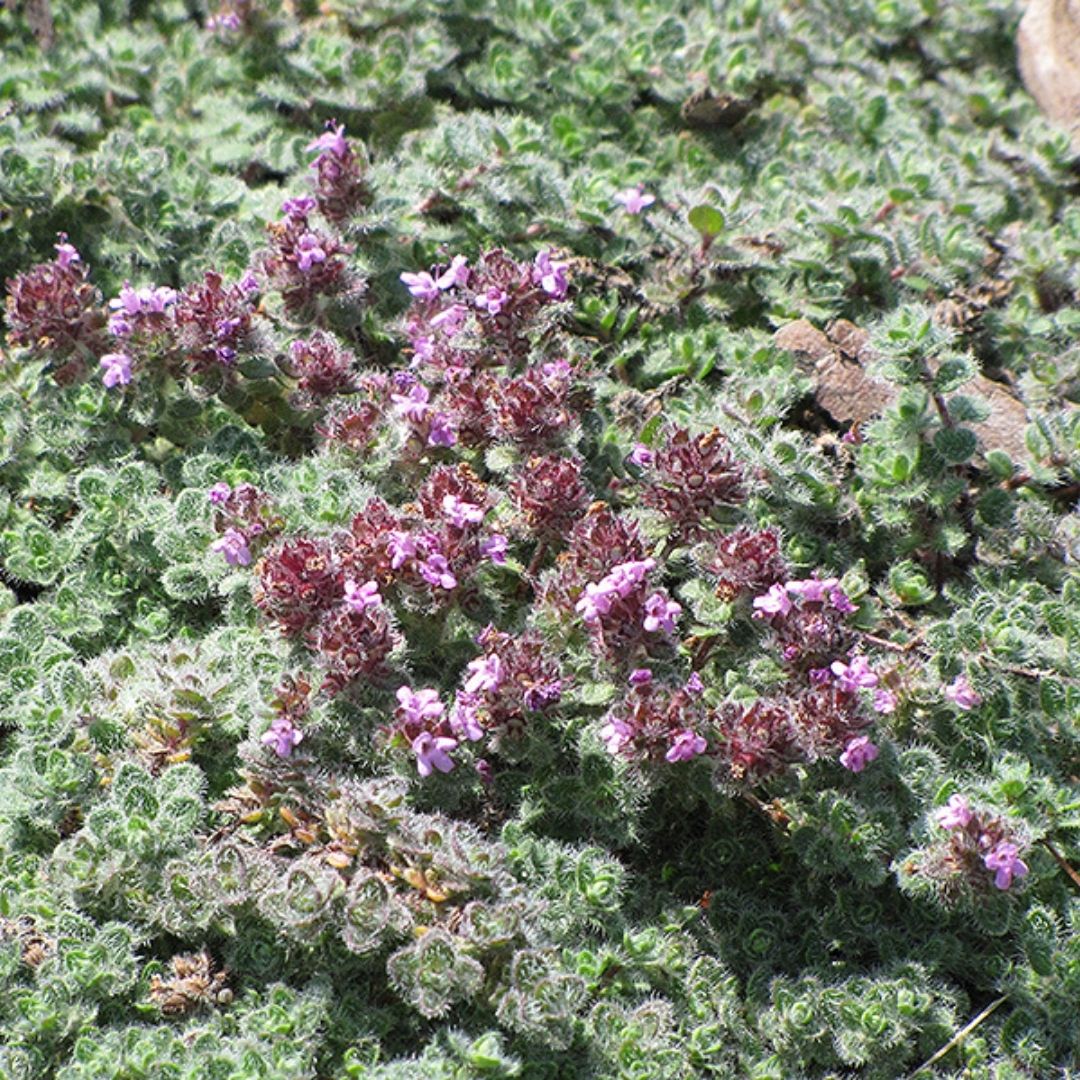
pixel 1005 860
pixel 858 753
pixel 332 141
pixel 299 206
pixel 854 676
pixel 435 570
pixel 634 200
pixel 595 602
pixel 310 251
pixel 955 814
pixel 413 405
pixel 449 320
pixel 229 22
pixel 550 276
pixel 660 614
pixel 219 493
pixel 485 675
pixel 464 720
pixel 685 746
pixel 418 706
pixel 615 734
pixel 441 431
pixel 433 753
pixel 493 300
pixel 461 513
pixel 282 736
pixel 775 602
pixel 640 677
pixel 457 273
pixel 694 685
pixel 494 548
pixel 66 253
pixel 359 597
pixel 401 547
pixel 885 702
pixel 116 370
pixel 841 601
pixel 641 456
pixel 961 693
pixel 422 285
pixel 234 546
pixel 813 590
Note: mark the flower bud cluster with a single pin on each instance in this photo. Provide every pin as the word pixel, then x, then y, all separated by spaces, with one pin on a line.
pixel 322 369
pixel 303 263
pixel 690 478
pixel 339 185
pixel 745 561
pixel 533 411
pixel 549 495
pixel 53 310
pixel 244 518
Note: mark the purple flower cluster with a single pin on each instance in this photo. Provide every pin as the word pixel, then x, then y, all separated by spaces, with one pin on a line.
pixel 306 587
pixel 212 323
pixel 479 316
pixel 534 411
pixel 244 517
pixel 655 722
pixel 303 264
pixel 513 679
pixel 814 723
pixel 420 720
pixel 807 620
pixel 624 614
pixel 431 427
pixel 977 843
pixel 195 332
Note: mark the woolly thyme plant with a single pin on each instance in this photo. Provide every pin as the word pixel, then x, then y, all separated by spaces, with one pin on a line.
pixel 444 634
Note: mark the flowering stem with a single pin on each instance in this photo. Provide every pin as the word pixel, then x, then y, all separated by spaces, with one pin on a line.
pixel 895 646
pixel 536 560
pixel 1062 862
pixel 959 1037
